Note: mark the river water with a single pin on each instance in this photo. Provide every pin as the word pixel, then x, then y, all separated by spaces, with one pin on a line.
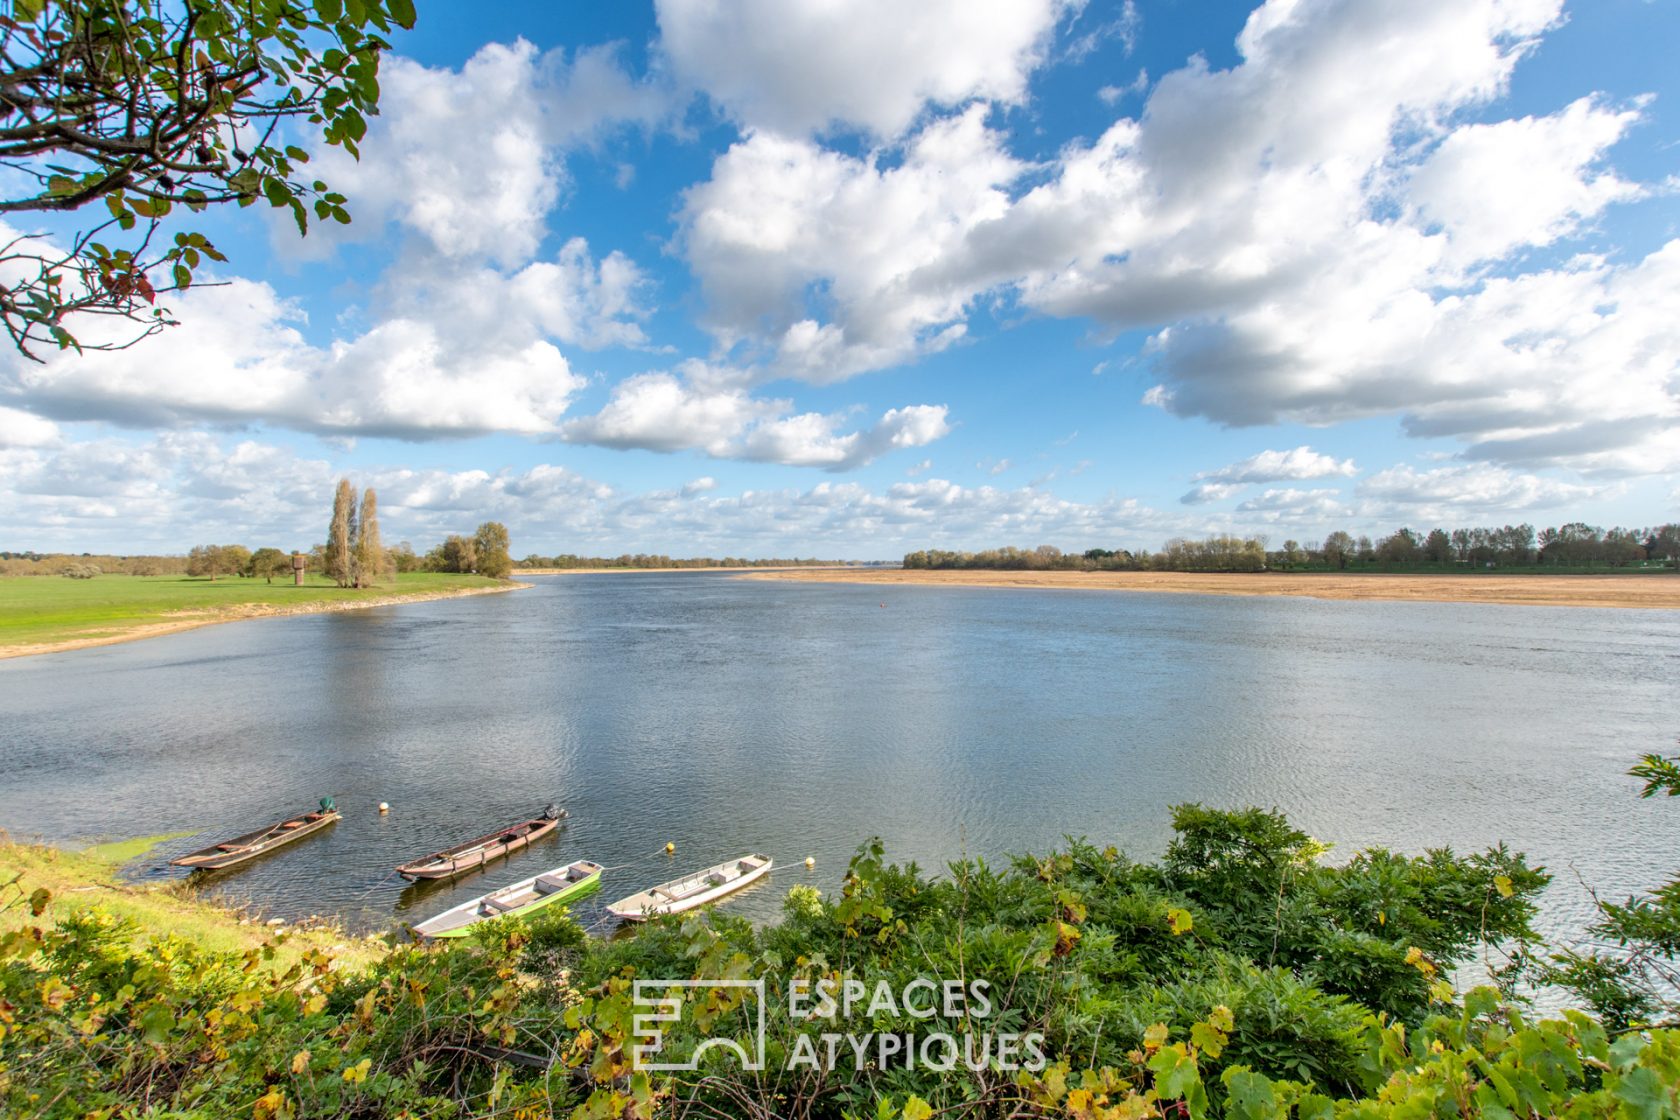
pixel 727 716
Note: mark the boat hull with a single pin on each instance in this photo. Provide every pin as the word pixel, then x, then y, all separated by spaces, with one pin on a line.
pixel 702 889
pixel 477 853
pixel 241 849
pixel 460 921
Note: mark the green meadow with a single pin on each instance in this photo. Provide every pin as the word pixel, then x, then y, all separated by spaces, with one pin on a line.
pixel 44 610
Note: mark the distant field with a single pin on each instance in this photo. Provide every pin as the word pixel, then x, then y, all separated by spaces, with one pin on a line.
pixel 39 613
pixel 1659 590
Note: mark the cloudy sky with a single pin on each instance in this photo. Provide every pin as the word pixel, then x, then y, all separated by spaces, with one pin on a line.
pixel 776 278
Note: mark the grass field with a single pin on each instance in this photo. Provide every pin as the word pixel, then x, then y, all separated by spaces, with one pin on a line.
pixel 50 612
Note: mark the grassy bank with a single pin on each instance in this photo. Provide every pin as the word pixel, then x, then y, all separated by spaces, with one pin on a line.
pixel 42 613
pixel 83 882
pixel 1654 590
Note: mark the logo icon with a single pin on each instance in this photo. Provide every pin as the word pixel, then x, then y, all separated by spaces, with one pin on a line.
pixel 666 998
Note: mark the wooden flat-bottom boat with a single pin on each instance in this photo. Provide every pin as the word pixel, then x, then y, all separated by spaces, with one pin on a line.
pixel 692 891
pixel 476 853
pixel 527 896
pixel 229 853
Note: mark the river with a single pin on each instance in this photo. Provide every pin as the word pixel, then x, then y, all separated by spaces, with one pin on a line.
pixel 726 716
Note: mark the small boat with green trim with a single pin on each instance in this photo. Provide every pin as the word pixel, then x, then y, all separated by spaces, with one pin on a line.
pixel 230 853
pixel 527 896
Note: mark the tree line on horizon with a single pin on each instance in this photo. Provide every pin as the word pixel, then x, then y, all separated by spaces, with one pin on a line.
pixel 353 555
pixel 1575 545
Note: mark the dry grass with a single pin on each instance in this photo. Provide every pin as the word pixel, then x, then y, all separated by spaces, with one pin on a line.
pixel 1656 591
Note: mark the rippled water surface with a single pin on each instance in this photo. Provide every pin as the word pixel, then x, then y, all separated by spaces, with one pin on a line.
pixel 729 716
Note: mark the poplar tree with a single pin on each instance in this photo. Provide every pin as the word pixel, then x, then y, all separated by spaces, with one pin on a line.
pixel 370 554
pixel 339 560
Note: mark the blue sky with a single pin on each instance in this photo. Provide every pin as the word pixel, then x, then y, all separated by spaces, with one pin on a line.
pixel 845 280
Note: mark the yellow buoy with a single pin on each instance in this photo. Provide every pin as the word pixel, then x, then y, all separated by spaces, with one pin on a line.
pixel 810 861
pixel 384 808
pixel 669 848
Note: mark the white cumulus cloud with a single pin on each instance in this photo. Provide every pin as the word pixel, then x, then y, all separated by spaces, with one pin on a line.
pixel 872 65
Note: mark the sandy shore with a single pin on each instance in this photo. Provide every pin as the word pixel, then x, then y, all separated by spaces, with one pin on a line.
pixel 1652 591
pixel 192 620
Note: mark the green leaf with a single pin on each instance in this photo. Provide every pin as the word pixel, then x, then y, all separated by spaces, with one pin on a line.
pixel 1315 1107
pixel 156 1022
pixel 1175 1074
pixel 183 276
pixel 1251 1095
pixel 329 10
pixel 1643 1095
pixel 276 193
pixel 403 12
pixel 916 1109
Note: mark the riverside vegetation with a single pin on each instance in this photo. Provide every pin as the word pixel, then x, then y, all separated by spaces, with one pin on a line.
pixel 1575 547
pixel 1241 976
pixel 45 612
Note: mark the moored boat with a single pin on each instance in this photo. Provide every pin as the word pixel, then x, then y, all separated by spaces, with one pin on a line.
pixel 230 853
pixel 527 896
pixel 692 891
pixel 476 853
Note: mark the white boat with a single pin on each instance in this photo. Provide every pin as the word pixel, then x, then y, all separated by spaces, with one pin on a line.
pixel 691 891
pixel 524 897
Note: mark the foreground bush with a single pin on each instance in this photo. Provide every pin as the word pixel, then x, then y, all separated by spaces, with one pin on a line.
pixel 1239 977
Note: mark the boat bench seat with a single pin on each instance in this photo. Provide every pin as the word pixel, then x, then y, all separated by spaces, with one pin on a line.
pixel 500 906
pixel 548 884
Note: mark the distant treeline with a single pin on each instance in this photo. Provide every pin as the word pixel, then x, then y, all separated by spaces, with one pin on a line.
pixel 644 560
pixel 483 553
pixel 57 563
pixel 1572 546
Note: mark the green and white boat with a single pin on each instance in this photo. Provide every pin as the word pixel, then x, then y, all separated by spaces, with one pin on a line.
pixel 527 896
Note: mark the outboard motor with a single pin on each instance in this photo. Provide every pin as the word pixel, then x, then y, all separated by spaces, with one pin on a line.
pixel 551 812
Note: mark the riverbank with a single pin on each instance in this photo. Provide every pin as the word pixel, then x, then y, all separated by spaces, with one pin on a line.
pixel 1347 1007
pixel 78 882
pixel 1646 591
pixel 40 614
